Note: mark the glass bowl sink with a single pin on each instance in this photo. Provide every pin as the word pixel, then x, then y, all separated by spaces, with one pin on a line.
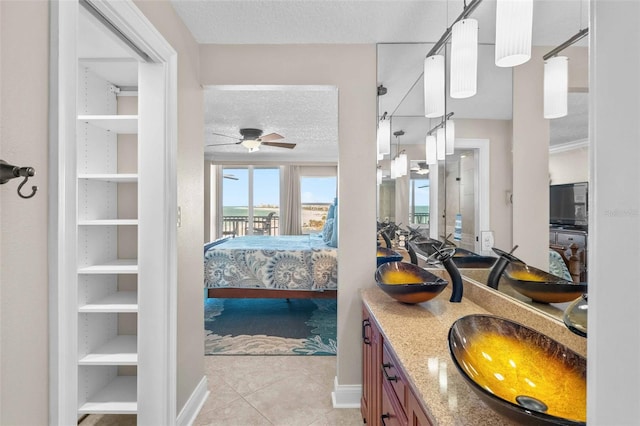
pixel 519 372
pixel 408 283
pixel 384 255
pixel 463 258
pixel 541 286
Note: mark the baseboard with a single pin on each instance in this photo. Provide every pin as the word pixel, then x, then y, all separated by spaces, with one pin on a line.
pixel 194 404
pixel 346 396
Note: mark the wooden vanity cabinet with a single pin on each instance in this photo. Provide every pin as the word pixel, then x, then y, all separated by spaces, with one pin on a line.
pixel 387 398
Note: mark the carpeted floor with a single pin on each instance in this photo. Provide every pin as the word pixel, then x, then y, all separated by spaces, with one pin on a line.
pixel 270 327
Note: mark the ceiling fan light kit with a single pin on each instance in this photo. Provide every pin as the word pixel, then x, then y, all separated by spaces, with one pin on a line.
pixel 252 140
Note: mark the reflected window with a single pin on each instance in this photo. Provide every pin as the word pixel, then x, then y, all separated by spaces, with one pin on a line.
pixel 419 199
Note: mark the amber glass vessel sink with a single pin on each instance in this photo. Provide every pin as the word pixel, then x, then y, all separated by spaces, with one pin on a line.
pixel 541 286
pixel 408 283
pixel 519 372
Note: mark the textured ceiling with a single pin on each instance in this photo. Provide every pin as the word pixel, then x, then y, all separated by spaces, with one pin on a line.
pixel 389 23
pixel 304 115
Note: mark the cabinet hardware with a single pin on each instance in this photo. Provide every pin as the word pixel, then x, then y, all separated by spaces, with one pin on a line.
pixel 384 416
pixel 365 323
pixel 386 375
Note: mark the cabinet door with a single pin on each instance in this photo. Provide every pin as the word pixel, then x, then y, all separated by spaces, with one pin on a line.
pixel 371 346
pixel 415 413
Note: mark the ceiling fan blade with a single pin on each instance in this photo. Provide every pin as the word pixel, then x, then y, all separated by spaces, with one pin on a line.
pixel 223 144
pixel 280 144
pixel 226 136
pixel 271 137
pixel 232 177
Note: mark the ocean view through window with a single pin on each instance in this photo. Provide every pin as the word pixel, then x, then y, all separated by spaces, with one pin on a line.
pixel 317 194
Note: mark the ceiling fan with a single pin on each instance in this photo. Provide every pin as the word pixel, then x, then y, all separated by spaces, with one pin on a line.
pixel 252 139
pixel 420 168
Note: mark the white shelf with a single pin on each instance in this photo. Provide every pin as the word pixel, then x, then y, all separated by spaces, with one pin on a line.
pixel 111 177
pixel 120 124
pixel 118 302
pixel 119 266
pixel 110 222
pixel 123 350
pixel 118 397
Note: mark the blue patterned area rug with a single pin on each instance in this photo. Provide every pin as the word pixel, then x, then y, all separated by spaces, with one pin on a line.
pixel 270 327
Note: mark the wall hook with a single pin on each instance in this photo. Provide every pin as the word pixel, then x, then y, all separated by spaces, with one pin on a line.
pixel 8 172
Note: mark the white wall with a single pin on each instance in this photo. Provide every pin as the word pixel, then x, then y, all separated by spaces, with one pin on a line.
pixel 569 166
pixel 352 69
pixel 24 345
pixel 190 195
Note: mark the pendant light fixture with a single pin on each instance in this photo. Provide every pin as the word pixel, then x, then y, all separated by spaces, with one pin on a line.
pixel 556 78
pixel 440 144
pixel 514 26
pixel 556 86
pixel 434 86
pixel 400 162
pixel 464 59
pixel 379 176
pixel 431 149
pixel 384 135
pixel 450 133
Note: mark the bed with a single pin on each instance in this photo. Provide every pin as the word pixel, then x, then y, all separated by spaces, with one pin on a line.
pixel 290 266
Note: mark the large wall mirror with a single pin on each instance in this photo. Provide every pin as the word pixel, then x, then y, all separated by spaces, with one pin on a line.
pixel 469 196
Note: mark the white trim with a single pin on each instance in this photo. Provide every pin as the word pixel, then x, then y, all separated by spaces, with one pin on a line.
pixel 483 190
pixel 272 87
pixel 194 404
pixel 569 146
pixel 345 396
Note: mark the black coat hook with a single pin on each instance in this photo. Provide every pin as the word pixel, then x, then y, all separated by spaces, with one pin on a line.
pixel 8 172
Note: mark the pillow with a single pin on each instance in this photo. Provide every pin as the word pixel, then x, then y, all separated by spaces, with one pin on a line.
pixel 334 235
pixel 327 231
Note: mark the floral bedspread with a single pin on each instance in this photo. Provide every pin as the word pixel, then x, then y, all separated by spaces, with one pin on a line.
pixel 290 262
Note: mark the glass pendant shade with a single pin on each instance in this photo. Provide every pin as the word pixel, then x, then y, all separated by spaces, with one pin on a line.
pixel 384 136
pixel 434 86
pixel 450 131
pixel 464 59
pixel 440 144
pixel 392 167
pixel 514 23
pixel 556 86
pixel 431 150
pixel 379 176
pixel 402 164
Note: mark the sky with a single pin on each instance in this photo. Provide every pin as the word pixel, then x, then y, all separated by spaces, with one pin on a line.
pixel 266 188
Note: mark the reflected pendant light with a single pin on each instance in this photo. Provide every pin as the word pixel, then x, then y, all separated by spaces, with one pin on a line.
pixel 384 136
pixel 440 144
pixel 514 24
pixel 379 176
pixel 556 86
pixel 402 164
pixel 434 86
pixel 464 59
pixel 450 131
pixel 431 150
pixel 393 168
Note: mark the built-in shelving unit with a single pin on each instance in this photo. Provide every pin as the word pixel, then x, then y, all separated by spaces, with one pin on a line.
pixel 106 231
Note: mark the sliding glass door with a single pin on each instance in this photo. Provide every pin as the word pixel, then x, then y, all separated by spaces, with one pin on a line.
pixel 250 200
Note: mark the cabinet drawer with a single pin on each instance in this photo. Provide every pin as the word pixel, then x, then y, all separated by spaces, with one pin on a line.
pixel 568 239
pixel 392 414
pixel 391 375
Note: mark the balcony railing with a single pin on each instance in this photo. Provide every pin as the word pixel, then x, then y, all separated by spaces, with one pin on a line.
pixel 239 225
pixel 419 218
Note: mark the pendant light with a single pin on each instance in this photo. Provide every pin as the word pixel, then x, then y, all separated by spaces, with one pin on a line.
pixel 440 144
pixel 431 150
pixel 450 133
pixel 384 135
pixel 514 25
pixel 379 176
pixel 434 86
pixel 464 59
pixel 402 164
pixel 556 86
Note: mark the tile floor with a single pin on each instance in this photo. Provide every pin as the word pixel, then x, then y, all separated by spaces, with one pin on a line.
pixel 264 390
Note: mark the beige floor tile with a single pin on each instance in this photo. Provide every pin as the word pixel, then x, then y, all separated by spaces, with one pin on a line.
pixel 248 378
pixel 220 393
pixel 292 401
pixel 238 413
pixel 340 417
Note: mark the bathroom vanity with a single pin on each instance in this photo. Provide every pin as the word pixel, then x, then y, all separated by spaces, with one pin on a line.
pixel 408 375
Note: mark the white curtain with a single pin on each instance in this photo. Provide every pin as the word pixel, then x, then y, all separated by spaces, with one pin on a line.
pixel 217 211
pixel 290 201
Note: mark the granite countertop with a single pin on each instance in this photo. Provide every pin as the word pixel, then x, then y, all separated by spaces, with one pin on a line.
pixel 417 335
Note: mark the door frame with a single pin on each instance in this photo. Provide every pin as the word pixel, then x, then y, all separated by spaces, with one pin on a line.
pixel 156 396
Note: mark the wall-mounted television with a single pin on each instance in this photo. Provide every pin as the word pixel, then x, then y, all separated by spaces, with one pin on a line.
pixel 568 204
